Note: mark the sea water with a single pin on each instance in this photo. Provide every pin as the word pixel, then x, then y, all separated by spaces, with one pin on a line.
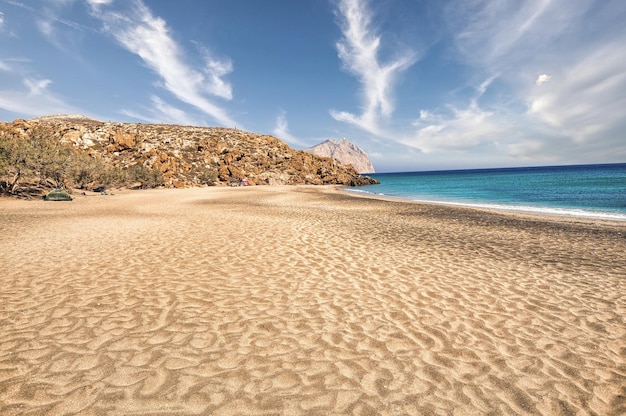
pixel 595 191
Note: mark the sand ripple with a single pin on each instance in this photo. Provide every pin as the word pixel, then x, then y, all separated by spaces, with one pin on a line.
pixel 265 301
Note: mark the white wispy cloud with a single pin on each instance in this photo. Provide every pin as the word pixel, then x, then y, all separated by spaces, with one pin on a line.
pixel 34 99
pixel 281 130
pixel 573 110
pixel 63 34
pixel 37 87
pixel 589 98
pixel 495 38
pixel 18 4
pixel 543 78
pixel 61 3
pixel 162 112
pixel 457 129
pixel 358 51
pixel 22 90
pixel 5 27
pixel 148 36
pixel 47 29
pixel 501 34
pixel 98 3
pixel 215 70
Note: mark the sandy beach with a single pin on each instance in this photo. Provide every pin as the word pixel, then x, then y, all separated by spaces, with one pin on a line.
pixel 306 301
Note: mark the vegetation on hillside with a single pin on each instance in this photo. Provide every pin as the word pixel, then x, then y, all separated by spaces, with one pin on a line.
pixel 31 163
pixel 69 152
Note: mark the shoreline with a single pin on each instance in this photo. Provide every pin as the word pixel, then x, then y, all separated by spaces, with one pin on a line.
pixel 584 217
pixel 502 208
pixel 510 213
pixel 306 300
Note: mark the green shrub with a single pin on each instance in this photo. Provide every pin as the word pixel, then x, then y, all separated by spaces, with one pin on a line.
pixel 148 178
pixel 208 176
pixel 85 169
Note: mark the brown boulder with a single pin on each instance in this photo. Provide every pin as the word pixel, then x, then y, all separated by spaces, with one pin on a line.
pixel 223 173
pixel 236 173
pixel 124 141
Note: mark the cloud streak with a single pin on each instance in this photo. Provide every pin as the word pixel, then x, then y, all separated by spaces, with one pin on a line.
pixel 499 35
pixel 358 51
pixel 162 112
pixel 34 99
pixel 575 108
pixel 148 36
pixel 281 130
pixel 457 129
pixel 588 99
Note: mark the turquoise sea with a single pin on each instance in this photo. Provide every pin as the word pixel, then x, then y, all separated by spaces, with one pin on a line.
pixel 594 191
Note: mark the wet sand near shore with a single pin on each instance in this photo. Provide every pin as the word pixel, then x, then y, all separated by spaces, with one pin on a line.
pixel 306 301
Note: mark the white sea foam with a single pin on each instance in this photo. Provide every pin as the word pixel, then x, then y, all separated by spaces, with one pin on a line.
pixel 570 212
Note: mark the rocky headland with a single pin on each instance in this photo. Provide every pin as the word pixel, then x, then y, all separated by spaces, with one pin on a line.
pixel 187 156
pixel 345 152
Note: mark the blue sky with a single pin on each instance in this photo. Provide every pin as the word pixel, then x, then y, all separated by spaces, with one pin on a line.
pixel 419 85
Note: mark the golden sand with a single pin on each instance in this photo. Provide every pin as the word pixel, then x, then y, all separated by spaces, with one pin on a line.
pixel 306 301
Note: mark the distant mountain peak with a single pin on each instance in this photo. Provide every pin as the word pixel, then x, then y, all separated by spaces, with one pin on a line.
pixel 344 152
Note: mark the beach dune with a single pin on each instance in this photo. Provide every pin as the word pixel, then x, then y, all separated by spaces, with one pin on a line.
pixel 306 301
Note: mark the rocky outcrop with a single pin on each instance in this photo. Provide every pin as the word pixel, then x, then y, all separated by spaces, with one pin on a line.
pixel 344 152
pixel 192 156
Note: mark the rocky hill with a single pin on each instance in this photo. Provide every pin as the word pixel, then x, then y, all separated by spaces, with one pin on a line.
pixel 188 156
pixel 344 152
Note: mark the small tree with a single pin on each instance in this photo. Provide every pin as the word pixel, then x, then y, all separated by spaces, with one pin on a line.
pixel 16 155
pixel 85 169
pixel 208 176
pixel 112 175
pixel 5 155
pixel 36 154
pixel 50 158
pixel 148 178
